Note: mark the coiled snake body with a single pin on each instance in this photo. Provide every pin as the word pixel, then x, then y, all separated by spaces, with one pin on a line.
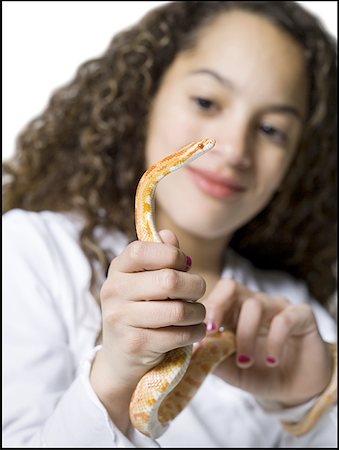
pixel 163 392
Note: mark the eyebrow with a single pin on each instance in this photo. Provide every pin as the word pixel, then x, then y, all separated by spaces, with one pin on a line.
pixel 222 80
pixel 285 109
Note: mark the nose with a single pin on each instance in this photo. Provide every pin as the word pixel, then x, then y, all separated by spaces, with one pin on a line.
pixel 233 146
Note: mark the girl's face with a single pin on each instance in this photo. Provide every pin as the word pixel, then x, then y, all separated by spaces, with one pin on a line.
pixel 245 85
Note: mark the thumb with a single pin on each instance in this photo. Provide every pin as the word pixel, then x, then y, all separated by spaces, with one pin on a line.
pixel 168 237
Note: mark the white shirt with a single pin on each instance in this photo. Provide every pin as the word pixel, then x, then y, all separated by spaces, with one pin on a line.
pixel 50 322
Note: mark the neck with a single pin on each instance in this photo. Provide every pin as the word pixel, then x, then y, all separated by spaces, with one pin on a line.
pixel 206 253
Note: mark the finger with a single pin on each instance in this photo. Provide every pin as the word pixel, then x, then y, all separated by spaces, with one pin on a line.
pixel 160 314
pixel 292 321
pixel 168 338
pixel 219 304
pixel 139 256
pixel 153 285
pixel 224 303
pixel 168 237
pixel 272 305
pixel 247 330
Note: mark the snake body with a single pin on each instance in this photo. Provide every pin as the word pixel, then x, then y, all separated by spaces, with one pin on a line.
pixel 164 391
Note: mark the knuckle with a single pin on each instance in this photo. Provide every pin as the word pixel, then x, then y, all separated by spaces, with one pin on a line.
pixel 281 301
pixel 184 336
pixel 174 256
pixel 298 310
pixel 283 320
pixel 112 318
pixel 255 301
pixel 306 308
pixel 135 342
pixel 111 288
pixel 111 267
pixel 136 251
pixel 178 312
pixel 169 279
pixel 105 291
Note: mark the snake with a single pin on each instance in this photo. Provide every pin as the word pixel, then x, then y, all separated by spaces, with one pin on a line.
pixel 165 390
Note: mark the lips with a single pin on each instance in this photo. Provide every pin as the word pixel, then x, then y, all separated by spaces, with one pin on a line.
pixel 214 184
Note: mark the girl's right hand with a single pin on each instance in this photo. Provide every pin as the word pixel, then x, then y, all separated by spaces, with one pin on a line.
pixel 149 306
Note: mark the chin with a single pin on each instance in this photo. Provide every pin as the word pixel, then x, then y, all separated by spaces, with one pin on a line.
pixel 202 228
pixel 189 213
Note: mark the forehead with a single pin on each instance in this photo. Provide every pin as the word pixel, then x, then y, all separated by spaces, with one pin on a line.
pixel 253 52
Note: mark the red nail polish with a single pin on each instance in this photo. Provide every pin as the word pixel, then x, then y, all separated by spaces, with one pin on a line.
pixel 188 262
pixel 211 326
pixel 243 359
pixel 271 360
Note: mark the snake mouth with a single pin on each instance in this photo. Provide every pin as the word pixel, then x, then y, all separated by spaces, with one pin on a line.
pixel 214 184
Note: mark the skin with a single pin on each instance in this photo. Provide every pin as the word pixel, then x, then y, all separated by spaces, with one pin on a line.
pixel 256 142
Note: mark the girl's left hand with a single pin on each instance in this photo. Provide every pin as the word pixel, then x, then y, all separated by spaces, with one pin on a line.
pixel 280 354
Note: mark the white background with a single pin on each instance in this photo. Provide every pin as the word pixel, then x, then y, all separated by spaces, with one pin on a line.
pixel 44 43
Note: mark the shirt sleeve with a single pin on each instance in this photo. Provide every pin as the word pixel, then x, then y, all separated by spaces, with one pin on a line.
pixel 48 401
pixel 323 434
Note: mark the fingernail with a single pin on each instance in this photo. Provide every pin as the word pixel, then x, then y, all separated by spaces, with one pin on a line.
pixel 271 360
pixel 211 326
pixel 188 262
pixel 243 359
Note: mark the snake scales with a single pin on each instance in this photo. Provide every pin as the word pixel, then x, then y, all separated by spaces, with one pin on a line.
pixel 164 391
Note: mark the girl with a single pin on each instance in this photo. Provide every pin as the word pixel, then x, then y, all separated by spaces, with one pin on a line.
pixel 248 233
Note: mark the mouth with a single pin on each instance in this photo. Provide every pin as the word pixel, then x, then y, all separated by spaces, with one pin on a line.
pixel 214 184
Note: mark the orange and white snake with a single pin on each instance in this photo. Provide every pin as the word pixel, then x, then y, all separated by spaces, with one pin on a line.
pixel 163 392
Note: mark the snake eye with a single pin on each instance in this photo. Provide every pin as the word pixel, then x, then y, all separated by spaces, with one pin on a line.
pixel 200 146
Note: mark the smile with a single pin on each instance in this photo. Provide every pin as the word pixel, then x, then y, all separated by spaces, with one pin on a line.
pixel 214 185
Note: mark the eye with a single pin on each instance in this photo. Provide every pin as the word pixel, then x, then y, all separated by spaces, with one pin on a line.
pixel 275 134
pixel 205 104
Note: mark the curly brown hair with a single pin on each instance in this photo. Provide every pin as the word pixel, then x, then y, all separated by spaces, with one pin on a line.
pixel 85 152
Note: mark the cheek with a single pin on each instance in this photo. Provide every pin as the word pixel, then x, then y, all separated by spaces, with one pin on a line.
pixel 167 135
pixel 271 170
pixel 170 128
pixel 173 194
